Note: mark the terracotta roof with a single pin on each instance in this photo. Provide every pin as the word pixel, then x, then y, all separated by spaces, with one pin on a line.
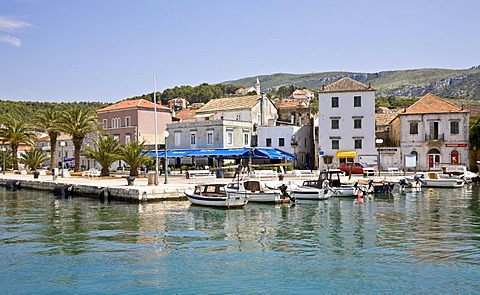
pixel 132 104
pixel 346 84
pixel 384 119
pixel 433 104
pixel 186 115
pixel 230 103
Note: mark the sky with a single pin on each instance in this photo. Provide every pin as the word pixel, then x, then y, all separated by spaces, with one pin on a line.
pixel 109 50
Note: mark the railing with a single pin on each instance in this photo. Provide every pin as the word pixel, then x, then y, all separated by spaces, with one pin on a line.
pixel 433 137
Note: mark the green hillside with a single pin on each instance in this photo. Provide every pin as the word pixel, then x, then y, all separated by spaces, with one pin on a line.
pixel 446 83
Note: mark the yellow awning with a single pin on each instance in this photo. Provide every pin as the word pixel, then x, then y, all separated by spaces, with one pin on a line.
pixel 347 154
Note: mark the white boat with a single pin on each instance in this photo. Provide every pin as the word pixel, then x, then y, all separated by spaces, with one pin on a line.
pixel 459 171
pixel 414 185
pixel 435 179
pixel 301 192
pixel 257 191
pixel 333 176
pixel 214 194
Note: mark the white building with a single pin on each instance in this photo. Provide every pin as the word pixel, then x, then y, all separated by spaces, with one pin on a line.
pixel 435 131
pixel 295 140
pixel 347 122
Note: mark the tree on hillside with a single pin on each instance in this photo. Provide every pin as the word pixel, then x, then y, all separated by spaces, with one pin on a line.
pixel 47 120
pixel 77 123
pixel 106 153
pixel 474 132
pixel 16 132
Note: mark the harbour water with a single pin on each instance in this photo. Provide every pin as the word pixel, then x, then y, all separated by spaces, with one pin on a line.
pixel 416 242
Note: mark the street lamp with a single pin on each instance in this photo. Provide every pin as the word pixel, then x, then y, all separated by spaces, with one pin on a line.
pixel 379 141
pixel 62 144
pixel 166 134
pixel 4 153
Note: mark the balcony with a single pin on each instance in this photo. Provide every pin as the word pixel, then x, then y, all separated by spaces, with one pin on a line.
pixel 439 137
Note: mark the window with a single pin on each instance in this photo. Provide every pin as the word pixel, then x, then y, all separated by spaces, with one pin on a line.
pixel 335 124
pixel 357 123
pixel 193 138
pixel 246 139
pixel 454 127
pixel 413 127
pixel 268 142
pixel 238 117
pixel 357 101
pixel 127 138
pixel 335 103
pixel 281 141
pixel 105 123
pixel 358 143
pixel 210 137
pixel 127 121
pixel 229 137
pixel 177 137
pixel 116 137
pixel 335 144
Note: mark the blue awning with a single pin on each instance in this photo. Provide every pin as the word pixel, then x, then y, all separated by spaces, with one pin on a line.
pixel 272 153
pixel 233 153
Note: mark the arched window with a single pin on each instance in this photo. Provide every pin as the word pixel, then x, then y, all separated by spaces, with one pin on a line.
pixel 433 157
pixel 454 157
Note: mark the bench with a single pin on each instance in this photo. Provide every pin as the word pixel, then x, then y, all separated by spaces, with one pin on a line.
pixel 394 171
pixel 91 173
pixel 265 174
pixel 304 173
pixel 199 174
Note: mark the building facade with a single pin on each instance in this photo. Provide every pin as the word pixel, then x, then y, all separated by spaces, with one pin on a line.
pixel 347 122
pixel 435 131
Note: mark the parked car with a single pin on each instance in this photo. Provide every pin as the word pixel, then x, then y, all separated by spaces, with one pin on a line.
pixel 357 168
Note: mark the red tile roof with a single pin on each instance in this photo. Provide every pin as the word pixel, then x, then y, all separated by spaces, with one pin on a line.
pixel 346 84
pixel 132 104
pixel 433 104
pixel 186 115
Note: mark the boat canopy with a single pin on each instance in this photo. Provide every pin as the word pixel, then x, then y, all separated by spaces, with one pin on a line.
pixel 347 154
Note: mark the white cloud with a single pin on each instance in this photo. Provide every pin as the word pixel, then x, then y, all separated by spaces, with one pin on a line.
pixel 11 40
pixel 9 24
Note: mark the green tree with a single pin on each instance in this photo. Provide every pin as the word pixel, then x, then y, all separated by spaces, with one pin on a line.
pixel 132 154
pixel 6 157
pixel 77 123
pixel 33 158
pixel 474 132
pixel 106 153
pixel 16 132
pixel 47 120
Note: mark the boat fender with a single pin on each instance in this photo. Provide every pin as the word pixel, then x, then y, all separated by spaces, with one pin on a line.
pixel 68 190
pixel 12 184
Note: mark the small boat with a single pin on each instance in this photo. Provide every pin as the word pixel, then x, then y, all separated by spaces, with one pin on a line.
pixel 333 176
pixel 302 192
pixel 414 185
pixel 435 179
pixel 458 171
pixel 215 194
pixel 257 191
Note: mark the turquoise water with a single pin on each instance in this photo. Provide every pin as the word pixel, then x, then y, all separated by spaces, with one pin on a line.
pixel 424 242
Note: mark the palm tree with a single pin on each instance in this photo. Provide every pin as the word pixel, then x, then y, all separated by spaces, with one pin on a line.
pixel 77 123
pixel 33 158
pixel 132 154
pixel 15 133
pixel 105 154
pixel 47 121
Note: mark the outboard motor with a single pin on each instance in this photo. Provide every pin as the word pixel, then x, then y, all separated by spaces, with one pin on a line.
pixel 418 179
pixel 283 188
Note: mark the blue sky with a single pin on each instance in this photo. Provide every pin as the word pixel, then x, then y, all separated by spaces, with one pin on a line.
pixel 108 50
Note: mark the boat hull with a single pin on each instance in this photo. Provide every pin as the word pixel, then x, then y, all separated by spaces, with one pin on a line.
pixel 231 200
pixel 308 193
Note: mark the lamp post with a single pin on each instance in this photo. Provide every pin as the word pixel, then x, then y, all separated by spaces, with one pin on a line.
pixel 166 134
pixel 4 154
pixel 62 144
pixel 379 141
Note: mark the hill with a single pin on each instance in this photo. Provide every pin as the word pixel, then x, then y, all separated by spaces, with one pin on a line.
pixel 446 83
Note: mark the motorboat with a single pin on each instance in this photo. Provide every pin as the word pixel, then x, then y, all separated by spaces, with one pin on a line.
pixel 415 184
pixel 257 191
pixel 436 179
pixel 333 176
pixel 302 192
pixel 459 171
pixel 215 194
